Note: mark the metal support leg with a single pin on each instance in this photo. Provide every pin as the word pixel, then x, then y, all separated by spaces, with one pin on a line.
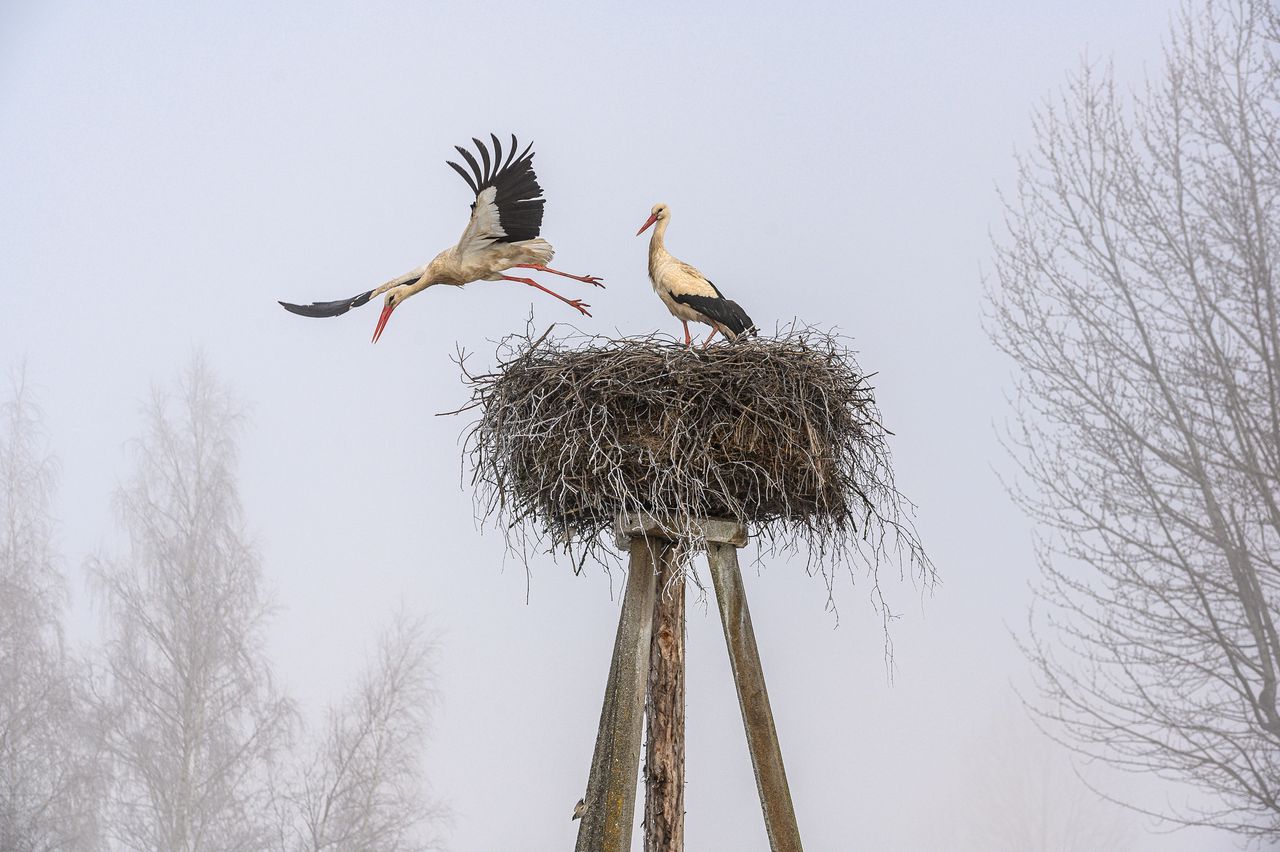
pixel 753 698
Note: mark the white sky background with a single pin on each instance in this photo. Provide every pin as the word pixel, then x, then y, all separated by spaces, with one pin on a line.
pixel 169 171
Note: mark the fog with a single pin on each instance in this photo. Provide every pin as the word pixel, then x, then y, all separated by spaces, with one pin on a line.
pixel 170 171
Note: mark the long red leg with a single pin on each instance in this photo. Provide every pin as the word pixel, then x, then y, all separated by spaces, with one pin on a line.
pixel 709 336
pixel 573 303
pixel 590 279
pixel 688 338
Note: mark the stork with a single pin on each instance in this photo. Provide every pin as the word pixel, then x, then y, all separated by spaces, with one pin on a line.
pixel 502 234
pixel 687 293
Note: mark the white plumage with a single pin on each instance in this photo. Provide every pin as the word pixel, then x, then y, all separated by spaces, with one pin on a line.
pixel 501 234
pixel 687 293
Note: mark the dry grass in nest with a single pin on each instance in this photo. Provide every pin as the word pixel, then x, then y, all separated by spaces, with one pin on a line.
pixel 782 433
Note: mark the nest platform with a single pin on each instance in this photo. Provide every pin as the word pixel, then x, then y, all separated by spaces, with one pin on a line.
pixel 781 433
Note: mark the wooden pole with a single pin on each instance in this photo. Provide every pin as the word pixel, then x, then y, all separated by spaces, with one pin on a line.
pixel 753 699
pixel 649 653
pixel 609 808
pixel 664 714
pixel 664 766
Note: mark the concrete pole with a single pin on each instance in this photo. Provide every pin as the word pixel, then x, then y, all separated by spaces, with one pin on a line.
pixel 609 807
pixel 753 699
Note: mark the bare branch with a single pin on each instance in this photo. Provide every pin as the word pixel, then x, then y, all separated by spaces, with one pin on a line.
pixel 363 786
pixel 1136 291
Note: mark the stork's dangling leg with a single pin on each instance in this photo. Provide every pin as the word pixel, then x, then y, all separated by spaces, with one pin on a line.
pixel 573 303
pixel 688 338
pixel 590 279
pixel 707 342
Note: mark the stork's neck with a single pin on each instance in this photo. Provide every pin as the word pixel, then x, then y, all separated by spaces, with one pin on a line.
pixel 657 242
pixel 411 276
pixel 431 273
pixel 421 284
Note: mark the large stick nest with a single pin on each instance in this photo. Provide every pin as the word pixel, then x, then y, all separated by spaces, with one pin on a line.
pixel 780 433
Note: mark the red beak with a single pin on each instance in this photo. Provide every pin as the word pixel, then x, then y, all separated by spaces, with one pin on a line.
pixel 647 223
pixel 382 321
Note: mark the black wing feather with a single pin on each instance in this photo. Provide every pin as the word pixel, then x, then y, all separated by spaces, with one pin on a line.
pixel 475 167
pixel 722 311
pixel 484 155
pixel 514 147
pixel 328 309
pixel 461 171
pixel 497 152
pixel 518 197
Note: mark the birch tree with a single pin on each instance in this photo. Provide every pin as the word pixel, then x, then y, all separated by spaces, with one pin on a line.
pixel 1136 292
pixel 50 787
pixel 194 723
pixel 362 786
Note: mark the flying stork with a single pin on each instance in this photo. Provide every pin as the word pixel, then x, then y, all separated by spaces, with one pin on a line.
pixel 502 234
pixel 687 293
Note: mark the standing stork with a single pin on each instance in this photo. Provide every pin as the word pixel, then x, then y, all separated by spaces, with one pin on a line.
pixel 502 234
pixel 687 293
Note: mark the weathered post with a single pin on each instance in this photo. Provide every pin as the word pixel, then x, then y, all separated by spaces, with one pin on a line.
pixel 664 714
pixel 753 699
pixel 611 786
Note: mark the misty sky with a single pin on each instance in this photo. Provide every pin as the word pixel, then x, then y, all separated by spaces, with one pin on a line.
pixel 170 170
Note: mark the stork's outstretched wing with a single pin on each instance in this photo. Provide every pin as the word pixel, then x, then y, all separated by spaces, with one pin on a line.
pixel 339 307
pixel 509 202
pixel 328 309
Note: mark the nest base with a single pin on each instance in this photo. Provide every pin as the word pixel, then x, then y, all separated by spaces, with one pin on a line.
pixel 695 531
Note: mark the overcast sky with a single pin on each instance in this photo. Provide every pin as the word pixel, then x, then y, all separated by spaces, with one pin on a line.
pixel 169 170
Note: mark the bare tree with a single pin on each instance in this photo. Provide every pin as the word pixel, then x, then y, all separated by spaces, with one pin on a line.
pixel 1136 291
pixel 362 787
pixel 193 719
pixel 50 791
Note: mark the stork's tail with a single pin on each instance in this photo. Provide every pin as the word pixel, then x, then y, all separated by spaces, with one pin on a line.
pixel 731 315
pixel 540 250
